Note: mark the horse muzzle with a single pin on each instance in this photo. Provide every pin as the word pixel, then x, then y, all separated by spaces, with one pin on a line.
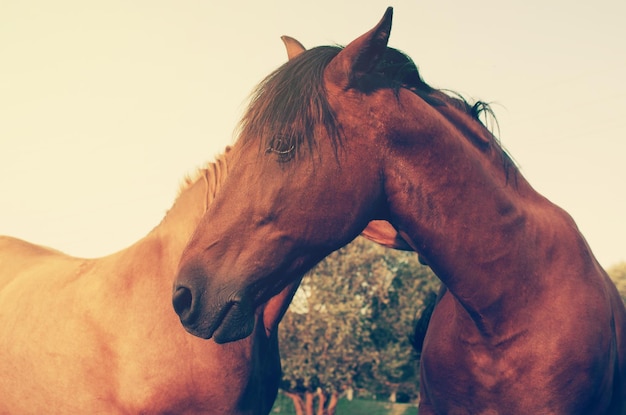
pixel 222 313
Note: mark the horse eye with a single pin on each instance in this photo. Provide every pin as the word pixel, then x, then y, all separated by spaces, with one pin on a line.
pixel 282 147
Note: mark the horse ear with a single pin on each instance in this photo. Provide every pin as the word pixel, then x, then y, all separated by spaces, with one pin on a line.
pixel 383 233
pixel 277 306
pixel 294 48
pixel 361 56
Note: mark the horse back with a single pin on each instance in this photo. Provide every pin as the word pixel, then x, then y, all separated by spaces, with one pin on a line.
pixel 18 257
pixel 11 245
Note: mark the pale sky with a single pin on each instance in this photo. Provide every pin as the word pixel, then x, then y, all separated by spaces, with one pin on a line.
pixel 106 105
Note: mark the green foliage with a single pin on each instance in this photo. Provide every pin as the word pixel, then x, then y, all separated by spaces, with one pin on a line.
pixel 618 275
pixel 366 407
pixel 392 323
pixel 349 324
pixel 284 406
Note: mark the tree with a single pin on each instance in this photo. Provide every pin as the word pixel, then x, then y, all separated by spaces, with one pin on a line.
pixel 323 342
pixel 348 326
pixel 394 317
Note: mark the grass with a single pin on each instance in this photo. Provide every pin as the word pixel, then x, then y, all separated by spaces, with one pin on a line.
pixel 284 406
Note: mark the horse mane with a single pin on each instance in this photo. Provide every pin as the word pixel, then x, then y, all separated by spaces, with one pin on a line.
pixel 402 72
pixel 288 104
pixel 213 173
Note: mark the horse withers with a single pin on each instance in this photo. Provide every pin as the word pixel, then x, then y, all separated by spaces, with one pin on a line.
pixel 338 137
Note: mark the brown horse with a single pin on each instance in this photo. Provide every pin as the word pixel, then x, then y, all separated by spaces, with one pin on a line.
pixel 99 336
pixel 530 323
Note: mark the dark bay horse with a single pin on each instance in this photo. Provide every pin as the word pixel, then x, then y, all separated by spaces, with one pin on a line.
pixel 99 336
pixel 530 323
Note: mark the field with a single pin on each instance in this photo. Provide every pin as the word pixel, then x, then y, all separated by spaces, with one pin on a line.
pixel 284 406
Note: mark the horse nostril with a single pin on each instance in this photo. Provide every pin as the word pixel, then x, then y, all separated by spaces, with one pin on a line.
pixel 182 300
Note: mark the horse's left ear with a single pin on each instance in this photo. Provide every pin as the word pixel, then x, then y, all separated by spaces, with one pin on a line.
pixel 383 233
pixel 361 56
pixel 294 48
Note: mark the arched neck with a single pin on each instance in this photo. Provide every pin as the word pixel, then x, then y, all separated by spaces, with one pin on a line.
pixel 487 234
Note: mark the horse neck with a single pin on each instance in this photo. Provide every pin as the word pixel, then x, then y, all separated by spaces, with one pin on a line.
pixel 487 234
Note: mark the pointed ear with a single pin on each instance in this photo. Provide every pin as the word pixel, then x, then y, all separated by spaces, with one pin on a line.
pixel 294 48
pixel 361 56
pixel 383 233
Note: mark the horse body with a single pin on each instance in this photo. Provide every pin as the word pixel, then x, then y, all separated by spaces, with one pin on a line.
pixel 336 138
pixel 530 322
pixel 99 335
pixel 551 363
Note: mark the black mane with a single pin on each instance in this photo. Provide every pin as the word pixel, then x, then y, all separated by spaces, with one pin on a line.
pixel 400 70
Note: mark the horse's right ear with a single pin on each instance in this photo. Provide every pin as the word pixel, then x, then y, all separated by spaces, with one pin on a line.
pixel 294 48
pixel 361 56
